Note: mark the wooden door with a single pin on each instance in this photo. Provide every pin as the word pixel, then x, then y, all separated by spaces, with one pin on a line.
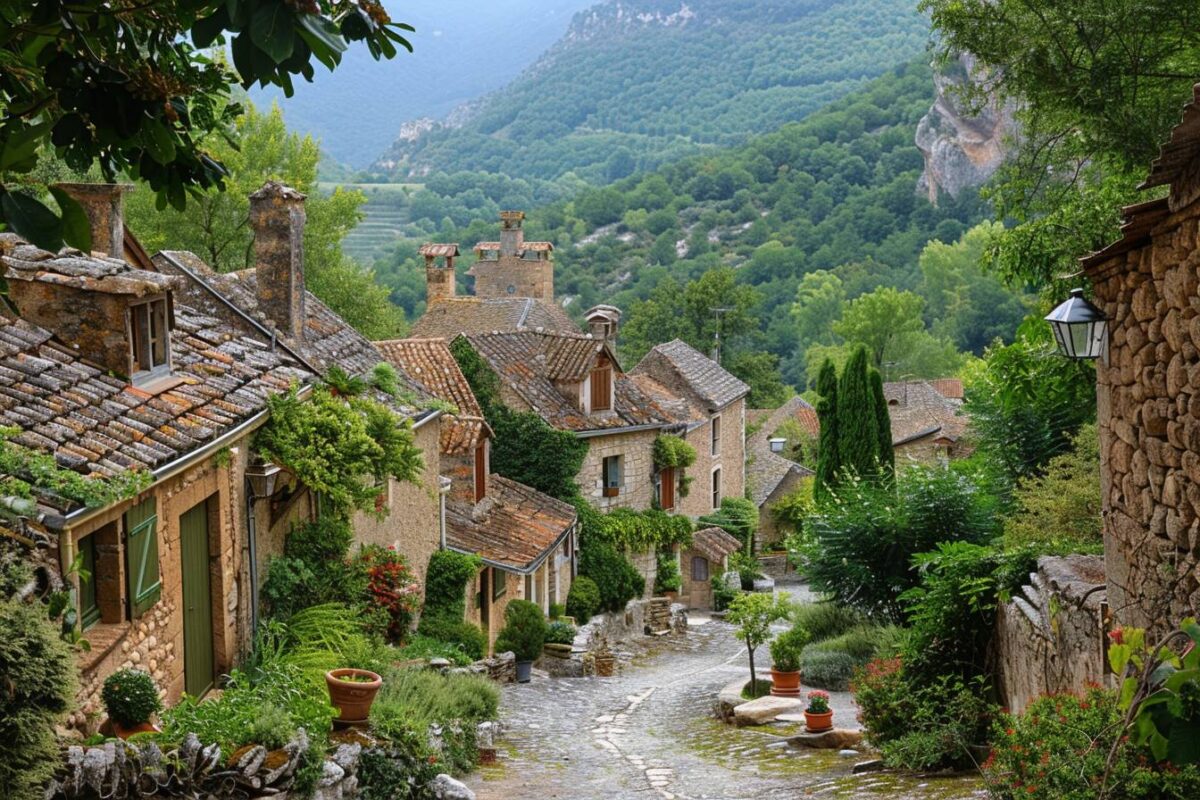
pixel 198 666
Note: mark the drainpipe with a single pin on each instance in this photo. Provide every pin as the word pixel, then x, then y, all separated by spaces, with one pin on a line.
pixel 252 545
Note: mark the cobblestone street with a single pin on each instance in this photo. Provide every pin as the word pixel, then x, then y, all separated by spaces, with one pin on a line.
pixel 650 733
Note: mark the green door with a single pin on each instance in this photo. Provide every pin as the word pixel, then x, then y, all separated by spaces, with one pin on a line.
pixel 197 602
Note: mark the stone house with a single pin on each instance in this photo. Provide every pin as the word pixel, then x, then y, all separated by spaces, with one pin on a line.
pixel 927 421
pixel 708 557
pixel 527 539
pixel 106 366
pixel 770 476
pixel 1148 392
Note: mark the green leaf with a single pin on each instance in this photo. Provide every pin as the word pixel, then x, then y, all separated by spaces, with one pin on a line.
pixel 19 151
pixel 1184 743
pixel 271 28
pixel 31 220
pixel 207 29
pixel 323 31
pixel 159 142
pixel 76 229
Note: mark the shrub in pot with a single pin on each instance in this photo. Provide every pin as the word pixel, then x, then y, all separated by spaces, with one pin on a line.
pixel 524 634
pixel 131 699
pixel 786 650
pixel 818 716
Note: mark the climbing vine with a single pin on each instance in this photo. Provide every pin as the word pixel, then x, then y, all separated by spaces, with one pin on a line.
pixel 640 530
pixel 339 447
pixel 673 452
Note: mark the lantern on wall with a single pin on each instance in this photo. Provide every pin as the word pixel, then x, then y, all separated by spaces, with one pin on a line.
pixel 1080 329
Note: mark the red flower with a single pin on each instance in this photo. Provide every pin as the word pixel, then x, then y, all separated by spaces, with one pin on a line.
pixel 1117 635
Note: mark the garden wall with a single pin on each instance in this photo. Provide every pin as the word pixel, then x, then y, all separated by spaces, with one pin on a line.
pixel 1050 637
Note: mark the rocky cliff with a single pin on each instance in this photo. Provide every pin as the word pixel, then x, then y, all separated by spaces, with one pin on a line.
pixel 963 147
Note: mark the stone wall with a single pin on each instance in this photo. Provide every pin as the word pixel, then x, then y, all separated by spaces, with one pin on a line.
pixel 1050 637
pixel 646 563
pixel 636 449
pixel 1148 410
pixel 731 459
pixel 154 641
pixel 513 276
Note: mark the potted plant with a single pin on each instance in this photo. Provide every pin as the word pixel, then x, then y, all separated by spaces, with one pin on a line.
pixel 818 716
pixel 786 649
pixel 667 580
pixel 560 639
pixel 524 634
pixel 131 699
pixel 351 692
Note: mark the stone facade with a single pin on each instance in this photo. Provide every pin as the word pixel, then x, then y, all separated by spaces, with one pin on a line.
pixel 637 470
pixel 1050 637
pixel 277 214
pixel 1148 402
pixel 730 459
pixel 154 640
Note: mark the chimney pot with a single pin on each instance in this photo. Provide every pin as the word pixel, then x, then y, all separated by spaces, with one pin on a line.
pixel 104 205
pixel 512 236
pixel 277 216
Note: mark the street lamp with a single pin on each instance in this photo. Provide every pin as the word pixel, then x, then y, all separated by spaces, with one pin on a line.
pixel 1080 328
pixel 262 477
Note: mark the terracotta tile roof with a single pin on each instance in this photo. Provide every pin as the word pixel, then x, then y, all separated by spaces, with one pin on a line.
pixel 710 385
pixel 98 424
pixel 514 527
pixel 448 317
pixel 77 270
pixel 529 363
pixel 429 365
pixel 437 249
pixel 715 543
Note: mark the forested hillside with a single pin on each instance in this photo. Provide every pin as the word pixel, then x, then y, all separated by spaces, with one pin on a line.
pixel 788 231
pixel 638 83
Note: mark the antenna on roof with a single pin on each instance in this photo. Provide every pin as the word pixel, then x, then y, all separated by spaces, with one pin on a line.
pixel 716 351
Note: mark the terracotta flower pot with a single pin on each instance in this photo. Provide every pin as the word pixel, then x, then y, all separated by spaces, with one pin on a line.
pixel 818 722
pixel 785 684
pixel 111 727
pixel 352 698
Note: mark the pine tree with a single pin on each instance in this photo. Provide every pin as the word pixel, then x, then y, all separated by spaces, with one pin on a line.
pixel 883 424
pixel 828 465
pixel 857 423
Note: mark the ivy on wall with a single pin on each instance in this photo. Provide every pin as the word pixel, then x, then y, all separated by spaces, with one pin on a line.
pixel 673 452
pixel 341 448
pixel 638 531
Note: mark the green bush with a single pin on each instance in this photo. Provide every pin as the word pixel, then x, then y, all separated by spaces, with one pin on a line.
pixel 860 544
pixel 828 669
pixel 465 636
pixel 583 600
pixel 738 517
pixel 557 610
pixel 446 602
pixel 614 576
pixel 1057 750
pixel 272 726
pixel 426 647
pixel 524 631
pixel 559 632
pixel 787 648
pixel 130 697
pixel 37 686
pixel 723 593
pixel 1059 510
pixel 825 620
pixel 666 573
pixel 747 568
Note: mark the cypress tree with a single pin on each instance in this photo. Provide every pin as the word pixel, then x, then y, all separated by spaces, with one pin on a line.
pixel 827 444
pixel 883 424
pixel 857 424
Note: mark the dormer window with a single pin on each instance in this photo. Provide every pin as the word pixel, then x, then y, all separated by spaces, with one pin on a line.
pixel 149 346
pixel 602 384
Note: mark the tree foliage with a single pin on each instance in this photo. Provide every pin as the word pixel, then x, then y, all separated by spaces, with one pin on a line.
pixel 857 421
pixel 828 456
pixel 1059 510
pixel 129 91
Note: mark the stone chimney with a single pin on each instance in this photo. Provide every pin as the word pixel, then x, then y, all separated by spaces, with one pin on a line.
pixel 104 205
pixel 277 216
pixel 439 270
pixel 512 237
pixel 603 321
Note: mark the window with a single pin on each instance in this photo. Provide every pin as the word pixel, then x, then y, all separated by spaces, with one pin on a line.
pixel 699 568
pixel 499 583
pixel 664 488
pixel 149 348
pixel 141 556
pixel 89 609
pixel 716 435
pixel 612 476
pixel 481 471
pixel 602 384
pixel 716 488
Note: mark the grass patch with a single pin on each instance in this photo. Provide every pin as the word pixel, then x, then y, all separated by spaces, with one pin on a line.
pixel 760 688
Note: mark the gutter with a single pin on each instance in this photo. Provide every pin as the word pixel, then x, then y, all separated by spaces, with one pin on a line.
pixel 654 426
pixel 532 566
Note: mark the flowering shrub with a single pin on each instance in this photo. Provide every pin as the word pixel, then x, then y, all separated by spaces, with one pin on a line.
pixel 818 702
pixel 1060 747
pixel 130 697
pixel 391 588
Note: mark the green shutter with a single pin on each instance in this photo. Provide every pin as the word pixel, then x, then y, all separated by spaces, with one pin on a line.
pixel 89 612
pixel 141 556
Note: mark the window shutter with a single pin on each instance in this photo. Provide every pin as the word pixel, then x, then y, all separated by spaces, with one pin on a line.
pixel 667 488
pixel 141 554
